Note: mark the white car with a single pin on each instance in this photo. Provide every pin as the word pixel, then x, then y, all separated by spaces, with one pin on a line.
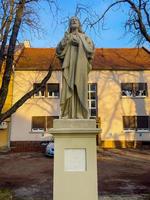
pixel 50 149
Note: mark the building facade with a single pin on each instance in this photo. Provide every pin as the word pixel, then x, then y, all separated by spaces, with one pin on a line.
pixel 6 125
pixel 118 96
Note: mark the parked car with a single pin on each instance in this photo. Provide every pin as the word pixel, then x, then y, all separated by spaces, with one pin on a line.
pixel 49 151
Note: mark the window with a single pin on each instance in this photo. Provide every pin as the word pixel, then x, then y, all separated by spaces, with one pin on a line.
pixel 50 121
pixel 126 89
pixel 140 89
pixel 38 124
pixel 134 89
pixel 142 123
pixel 136 123
pixel 129 122
pixel 53 90
pixel 40 93
pixel 92 99
pixel 42 123
pixel 50 90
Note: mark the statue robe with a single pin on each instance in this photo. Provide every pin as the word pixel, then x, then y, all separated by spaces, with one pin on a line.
pixel 75 68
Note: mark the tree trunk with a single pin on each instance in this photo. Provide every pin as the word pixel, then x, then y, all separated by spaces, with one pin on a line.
pixel 6 32
pixel 28 95
pixel 10 54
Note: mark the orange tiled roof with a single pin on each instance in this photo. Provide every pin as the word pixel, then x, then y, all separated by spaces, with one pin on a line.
pixel 104 59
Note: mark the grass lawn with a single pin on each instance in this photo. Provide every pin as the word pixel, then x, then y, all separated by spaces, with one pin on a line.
pixel 5 194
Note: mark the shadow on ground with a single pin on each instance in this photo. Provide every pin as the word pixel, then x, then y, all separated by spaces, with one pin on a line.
pixel 122 175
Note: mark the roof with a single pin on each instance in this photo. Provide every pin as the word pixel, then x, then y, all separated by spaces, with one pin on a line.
pixel 37 59
pixel 104 59
pixel 17 47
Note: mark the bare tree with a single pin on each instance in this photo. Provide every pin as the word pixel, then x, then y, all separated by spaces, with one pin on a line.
pixel 7 10
pixel 15 13
pixel 138 20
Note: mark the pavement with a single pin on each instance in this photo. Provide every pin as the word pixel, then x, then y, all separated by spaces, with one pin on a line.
pixel 122 175
pixel 123 197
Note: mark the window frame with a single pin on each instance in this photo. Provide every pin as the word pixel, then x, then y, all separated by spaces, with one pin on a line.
pixel 45 129
pixel 39 96
pixel 146 89
pixel 134 91
pixel 136 124
pixel 142 129
pixel 38 130
pixel 129 129
pixel 47 93
pixel 90 91
pixel 124 90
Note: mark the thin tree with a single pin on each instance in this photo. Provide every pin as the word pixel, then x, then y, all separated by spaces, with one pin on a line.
pixel 138 20
pixel 13 16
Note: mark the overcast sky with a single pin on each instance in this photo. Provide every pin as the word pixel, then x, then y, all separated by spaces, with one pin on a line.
pixel 112 36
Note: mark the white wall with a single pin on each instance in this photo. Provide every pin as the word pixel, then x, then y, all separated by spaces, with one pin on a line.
pixel 111 106
pixel 22 119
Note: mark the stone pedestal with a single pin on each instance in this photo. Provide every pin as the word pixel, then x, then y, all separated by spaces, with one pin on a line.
pixel 75 159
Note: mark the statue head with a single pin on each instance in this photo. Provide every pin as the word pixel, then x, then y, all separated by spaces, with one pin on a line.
pixel 74 23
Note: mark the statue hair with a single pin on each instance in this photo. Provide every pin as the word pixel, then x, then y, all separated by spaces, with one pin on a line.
pixel 80 27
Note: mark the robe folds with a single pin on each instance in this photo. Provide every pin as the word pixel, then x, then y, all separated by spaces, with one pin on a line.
pixel 76 65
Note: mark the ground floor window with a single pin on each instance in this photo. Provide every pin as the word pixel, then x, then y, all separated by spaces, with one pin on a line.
pixel 42 123
pixel 136 123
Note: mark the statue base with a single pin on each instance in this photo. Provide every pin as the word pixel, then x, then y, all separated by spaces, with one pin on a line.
pixel 75 159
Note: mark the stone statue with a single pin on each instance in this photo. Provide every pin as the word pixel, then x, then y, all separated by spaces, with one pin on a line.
pixel 75 51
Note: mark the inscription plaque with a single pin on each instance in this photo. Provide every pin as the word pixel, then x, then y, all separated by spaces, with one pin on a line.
pixel 75 160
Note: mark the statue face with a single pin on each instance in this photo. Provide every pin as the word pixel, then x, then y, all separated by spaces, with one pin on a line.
pixel 74 23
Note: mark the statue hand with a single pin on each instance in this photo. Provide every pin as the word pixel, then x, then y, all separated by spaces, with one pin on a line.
pixel 66 40
pixel 67 36
pixel 75 40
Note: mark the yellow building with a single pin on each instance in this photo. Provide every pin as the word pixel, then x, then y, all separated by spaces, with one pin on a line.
pixel 118 90
pixel 123 96
pixel 6 125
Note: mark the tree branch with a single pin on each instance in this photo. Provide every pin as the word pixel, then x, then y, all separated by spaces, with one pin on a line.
pixel 136 12
pixel 140 20
pixel 5 37
pixel 106 11
pixel 147 14
pixel 28 95
pixel 10 54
